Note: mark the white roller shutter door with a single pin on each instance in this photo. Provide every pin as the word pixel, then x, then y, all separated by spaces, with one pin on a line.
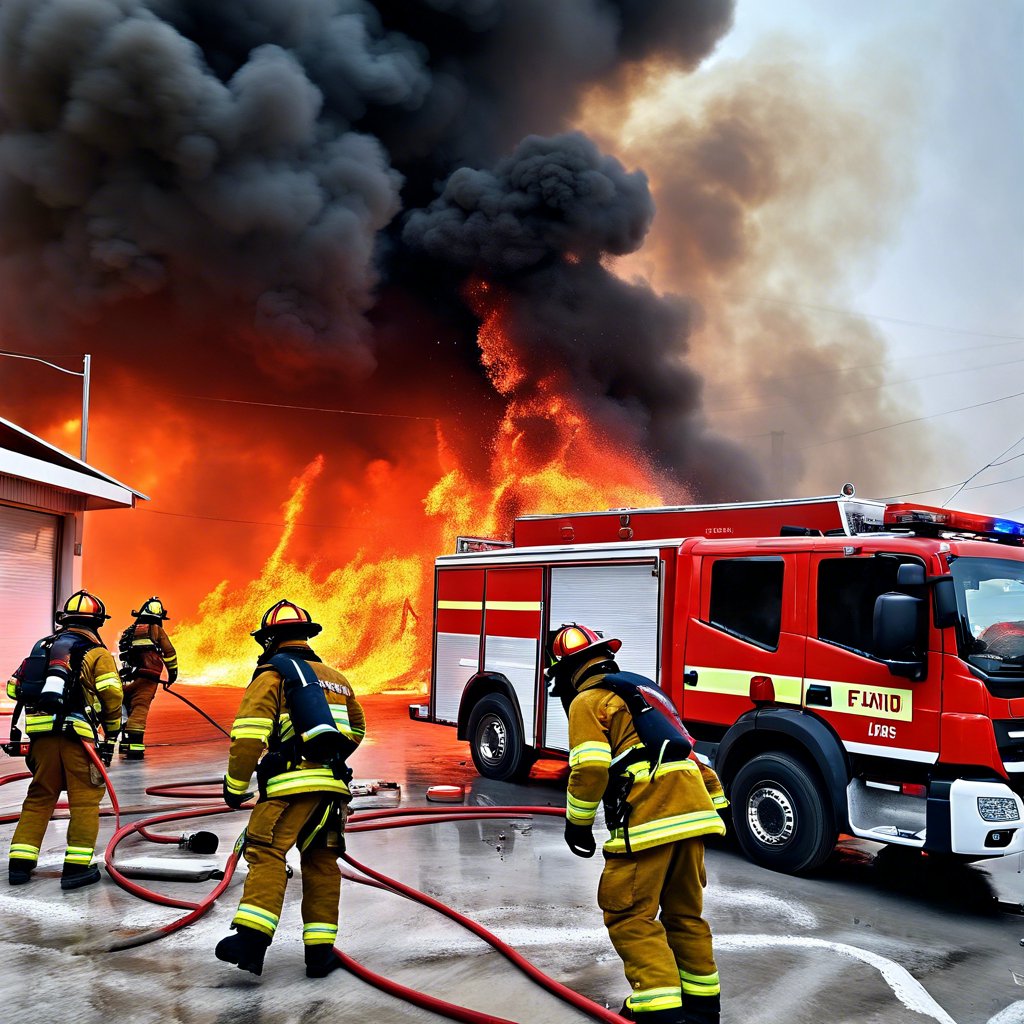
pixel 28 570
pixel 620 601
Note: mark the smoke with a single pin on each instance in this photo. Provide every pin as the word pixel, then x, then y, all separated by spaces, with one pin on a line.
pixel 309 180
pixel 776 184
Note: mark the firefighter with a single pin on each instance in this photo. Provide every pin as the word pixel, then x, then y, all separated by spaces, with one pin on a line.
pixel 145 650
pixel 301 803
pixel 82 690
pixel 654 858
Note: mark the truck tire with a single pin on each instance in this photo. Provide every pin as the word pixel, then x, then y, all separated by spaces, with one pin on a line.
pixel 781 814
pixel 496 741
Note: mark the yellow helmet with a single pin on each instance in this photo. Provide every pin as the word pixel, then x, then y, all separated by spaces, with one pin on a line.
pixel 152 608
pixel 83 607
pixel 283 621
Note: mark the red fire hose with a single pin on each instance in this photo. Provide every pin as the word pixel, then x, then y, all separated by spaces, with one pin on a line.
pixel 358 822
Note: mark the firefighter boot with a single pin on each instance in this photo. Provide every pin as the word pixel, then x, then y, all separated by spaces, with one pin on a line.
pixel 19 871
pixel 75 876
pixel 673 1015
pixel 320 960
pixel 136 748
pixel 702 1009
pixel 245 950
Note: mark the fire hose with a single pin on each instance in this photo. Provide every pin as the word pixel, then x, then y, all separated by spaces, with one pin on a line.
pixel 195 707
pixel 358 822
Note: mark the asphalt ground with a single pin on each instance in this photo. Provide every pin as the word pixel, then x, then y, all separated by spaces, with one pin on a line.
pixel 873 937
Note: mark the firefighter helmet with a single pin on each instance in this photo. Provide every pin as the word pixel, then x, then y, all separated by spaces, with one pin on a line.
pixel 283 621
pixel 153 608
pixel 83 607
pixel 573 640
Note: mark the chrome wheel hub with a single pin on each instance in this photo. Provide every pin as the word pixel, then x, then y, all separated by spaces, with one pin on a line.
pixel 770 815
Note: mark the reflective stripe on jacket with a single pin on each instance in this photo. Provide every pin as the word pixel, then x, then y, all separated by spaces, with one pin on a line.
pixel 263 722
pixel 101 694
pixel 677 800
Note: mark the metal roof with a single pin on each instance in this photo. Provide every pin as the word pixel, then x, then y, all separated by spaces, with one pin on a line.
pixel 36 472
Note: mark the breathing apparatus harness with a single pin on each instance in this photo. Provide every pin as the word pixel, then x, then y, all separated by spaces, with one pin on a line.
pixel 132 644
pixel 314 736
pixel 663 737
pixel 47 682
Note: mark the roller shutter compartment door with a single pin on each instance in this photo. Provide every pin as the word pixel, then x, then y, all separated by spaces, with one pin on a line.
pixel 28 570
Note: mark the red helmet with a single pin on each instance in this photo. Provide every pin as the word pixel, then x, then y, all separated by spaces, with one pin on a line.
pixel 283 621
pixel 573 640
pixel 83 608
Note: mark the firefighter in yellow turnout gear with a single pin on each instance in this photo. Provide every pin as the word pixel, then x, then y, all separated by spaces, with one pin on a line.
pixel 145 650
pixel 82 691
pixel 302 802
pixel 654 857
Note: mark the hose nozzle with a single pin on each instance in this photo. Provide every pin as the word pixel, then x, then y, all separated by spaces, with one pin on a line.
pixel 200 842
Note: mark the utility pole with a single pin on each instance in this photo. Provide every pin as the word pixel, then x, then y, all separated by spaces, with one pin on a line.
pixel 84 373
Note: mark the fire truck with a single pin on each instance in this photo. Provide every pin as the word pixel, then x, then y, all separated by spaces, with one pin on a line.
pixel 846 666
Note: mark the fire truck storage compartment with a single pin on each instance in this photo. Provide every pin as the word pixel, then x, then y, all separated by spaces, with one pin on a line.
pixel 512 624
pixel 620 600
pixel 459 610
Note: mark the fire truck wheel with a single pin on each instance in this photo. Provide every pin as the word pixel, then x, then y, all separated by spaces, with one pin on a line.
pixel 782 817
pixel 496 740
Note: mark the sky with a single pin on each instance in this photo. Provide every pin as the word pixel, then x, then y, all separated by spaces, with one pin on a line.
pixel 945 287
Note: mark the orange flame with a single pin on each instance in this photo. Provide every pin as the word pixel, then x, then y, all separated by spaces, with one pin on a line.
pixel 373 595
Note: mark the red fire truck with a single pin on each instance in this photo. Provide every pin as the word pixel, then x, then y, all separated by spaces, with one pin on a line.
pixel 846 666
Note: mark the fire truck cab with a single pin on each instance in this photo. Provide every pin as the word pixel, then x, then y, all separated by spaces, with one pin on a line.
pixel 846 666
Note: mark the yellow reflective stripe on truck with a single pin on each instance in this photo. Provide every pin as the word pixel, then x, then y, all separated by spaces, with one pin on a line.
pixel 736 683
pixel 871 701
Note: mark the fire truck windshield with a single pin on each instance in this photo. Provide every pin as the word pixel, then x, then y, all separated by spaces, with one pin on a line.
pixel 990 599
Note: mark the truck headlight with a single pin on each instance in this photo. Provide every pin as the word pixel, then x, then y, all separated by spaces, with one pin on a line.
pixel 998 808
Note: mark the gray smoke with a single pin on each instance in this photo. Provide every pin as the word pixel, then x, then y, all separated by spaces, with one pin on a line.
pixel 278 161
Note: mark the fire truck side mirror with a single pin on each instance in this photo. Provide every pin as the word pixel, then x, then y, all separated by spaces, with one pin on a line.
pixel 910 574
pixel 896 632
pixel 946 613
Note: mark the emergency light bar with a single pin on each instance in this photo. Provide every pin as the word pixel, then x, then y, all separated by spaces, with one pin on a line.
pixel 928 519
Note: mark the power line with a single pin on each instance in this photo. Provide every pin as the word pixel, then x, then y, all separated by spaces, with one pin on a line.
pixel 264 522
pixel 916 419
pixel 856 315
pixel 857 391
pixel 873 366
pixel 983 468
pixel 280 405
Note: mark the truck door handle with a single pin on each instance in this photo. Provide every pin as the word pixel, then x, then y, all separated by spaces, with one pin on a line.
pixel 690 678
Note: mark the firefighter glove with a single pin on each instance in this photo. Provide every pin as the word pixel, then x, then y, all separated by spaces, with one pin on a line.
pixel 580 839
pixel 234 800
pixel 172 675
pixel 107 751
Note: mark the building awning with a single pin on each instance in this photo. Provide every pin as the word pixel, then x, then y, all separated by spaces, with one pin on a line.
pixel 35 473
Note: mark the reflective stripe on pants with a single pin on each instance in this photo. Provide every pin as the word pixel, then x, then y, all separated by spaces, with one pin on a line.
pixel 634 888
pixel 274 828
pixel 58 763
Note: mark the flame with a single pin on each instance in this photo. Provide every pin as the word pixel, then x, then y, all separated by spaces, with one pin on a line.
pixel 370 628
pixel 359 533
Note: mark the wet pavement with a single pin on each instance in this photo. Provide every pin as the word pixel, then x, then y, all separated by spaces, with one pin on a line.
pixel 873 938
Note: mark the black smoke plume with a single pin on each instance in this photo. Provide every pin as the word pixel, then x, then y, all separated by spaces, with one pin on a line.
pixel 328 172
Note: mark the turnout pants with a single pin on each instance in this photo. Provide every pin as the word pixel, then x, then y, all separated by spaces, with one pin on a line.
pixel 275 826
pixel 669 963
pixel 138 696
pixel 59 762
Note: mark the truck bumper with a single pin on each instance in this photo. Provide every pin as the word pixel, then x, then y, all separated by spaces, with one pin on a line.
pixel 986 819
pixel 419 712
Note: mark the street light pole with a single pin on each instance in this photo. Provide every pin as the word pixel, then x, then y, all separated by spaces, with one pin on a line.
pixel 84 373
pixel 86 370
